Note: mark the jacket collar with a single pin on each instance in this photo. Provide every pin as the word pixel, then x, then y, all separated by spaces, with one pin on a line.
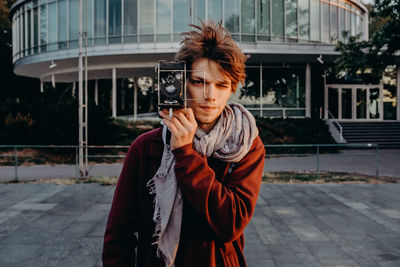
pixel 156 145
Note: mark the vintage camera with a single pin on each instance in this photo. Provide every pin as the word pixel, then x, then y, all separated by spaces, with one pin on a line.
pixel 171 84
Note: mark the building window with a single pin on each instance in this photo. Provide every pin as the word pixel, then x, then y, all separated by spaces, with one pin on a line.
pixel 130 20
pixel 146 21
pixel 214 11
pixel 263 20
pixel 114 21
pixel 325 36
pixel 100 21
pixel 304 21
pixel 53 26
pixel 277 19
pixel 73 23
pixel 200 12
pixel 291 19
pixel 181 18
pixel 248 20
pixel 283 87
pixel 231 17
pixel 163 18
pixel 334 22
pixel 315 24
pixel 62 24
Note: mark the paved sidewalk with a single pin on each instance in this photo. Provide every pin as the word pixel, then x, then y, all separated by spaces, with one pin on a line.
pixel 353 161
pixel 293 225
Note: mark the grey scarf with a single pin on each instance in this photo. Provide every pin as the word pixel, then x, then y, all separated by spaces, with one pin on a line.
pixel 229 141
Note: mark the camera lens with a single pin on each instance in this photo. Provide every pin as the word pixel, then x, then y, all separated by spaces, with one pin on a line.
pixel 178 76
pixel 170 79
pixel 170 88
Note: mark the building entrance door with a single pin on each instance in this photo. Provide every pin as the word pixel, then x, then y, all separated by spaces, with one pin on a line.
pixel 353 102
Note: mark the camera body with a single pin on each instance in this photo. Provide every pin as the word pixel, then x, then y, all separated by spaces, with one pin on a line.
pixel 171 84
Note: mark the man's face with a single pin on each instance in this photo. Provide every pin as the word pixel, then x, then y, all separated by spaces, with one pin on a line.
pixel 208 91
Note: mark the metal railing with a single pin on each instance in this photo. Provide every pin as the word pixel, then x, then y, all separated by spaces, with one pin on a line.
pixel 282 150
pixel 315 149
pixel 16 148
pixel 337 123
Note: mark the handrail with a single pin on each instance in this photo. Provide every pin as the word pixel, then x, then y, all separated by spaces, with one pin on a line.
pixel 337 123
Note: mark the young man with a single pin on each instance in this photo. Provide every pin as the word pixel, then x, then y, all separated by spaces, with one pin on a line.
pixel 187 203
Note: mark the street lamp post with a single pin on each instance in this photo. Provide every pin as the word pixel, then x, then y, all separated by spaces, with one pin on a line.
pixel 83 100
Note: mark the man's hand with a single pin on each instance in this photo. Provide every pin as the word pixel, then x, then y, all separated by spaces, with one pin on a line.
pixel 182 126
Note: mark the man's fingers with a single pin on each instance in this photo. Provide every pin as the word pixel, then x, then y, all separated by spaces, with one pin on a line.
pixel 171 126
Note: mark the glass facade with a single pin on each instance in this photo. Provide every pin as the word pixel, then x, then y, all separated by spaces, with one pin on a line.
pixel 45 25
pixel 272 91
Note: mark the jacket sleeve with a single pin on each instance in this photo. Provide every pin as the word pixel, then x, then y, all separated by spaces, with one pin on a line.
pixel 227 206
pixel 119 238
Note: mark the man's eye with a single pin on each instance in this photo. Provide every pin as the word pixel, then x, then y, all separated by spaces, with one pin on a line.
pixel 197 82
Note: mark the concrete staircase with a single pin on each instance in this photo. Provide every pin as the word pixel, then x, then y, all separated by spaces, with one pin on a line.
pixel 386 134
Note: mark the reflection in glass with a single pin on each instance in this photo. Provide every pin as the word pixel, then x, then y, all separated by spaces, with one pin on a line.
pixel 130 20
pixel 28 14
pixel 62 24
pixel 334 23
pixel 389 102
pixel 249 94
pixel 114 21
pixel 87 22
pixel 99 21
pixel 181 17
pixel 232 16
pixel 325 23
pixel 304 20
pixel 342 22
pixel 43 27
pixel 333 99
pixel 248 20
pixel 22 26
pixel 315 20
pixel 200 10
pixel 52 26
pixel 146 21
pixel 346 103
pixel 283 87
pixel 277 18
pixel 263 16
pixel 361 103
pixel 348 18
pixel 214 10
pixel 353 21
pixel 291 18
pixel 73 23
pixel 373 105
pixel 163 18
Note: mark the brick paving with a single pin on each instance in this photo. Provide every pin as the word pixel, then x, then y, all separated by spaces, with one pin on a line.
pixel 293 225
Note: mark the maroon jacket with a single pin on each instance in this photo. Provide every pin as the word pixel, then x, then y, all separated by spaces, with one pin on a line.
pixel 218 201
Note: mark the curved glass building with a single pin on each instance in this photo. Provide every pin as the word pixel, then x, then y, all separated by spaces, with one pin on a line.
pixel 287 40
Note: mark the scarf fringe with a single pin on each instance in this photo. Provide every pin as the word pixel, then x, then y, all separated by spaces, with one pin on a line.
pixel 157 214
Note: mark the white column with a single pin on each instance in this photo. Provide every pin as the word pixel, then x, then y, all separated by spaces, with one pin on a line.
pixel 41 86
pixel 135 99
pixel 96 92
pixel 365 35
pixel 114 92
pixel 354 103
pixel 73 89
pixel 325 101
pixel 398 94
pixel 308 90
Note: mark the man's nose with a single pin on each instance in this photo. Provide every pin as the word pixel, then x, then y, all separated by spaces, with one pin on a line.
pixel 210 92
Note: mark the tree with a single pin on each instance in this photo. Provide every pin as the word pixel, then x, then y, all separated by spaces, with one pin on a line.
pixel 367 60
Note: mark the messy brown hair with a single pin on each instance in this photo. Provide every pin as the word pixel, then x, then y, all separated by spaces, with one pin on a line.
pixel 212 41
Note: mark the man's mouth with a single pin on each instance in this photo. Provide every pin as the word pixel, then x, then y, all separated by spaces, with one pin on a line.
pixel 206 107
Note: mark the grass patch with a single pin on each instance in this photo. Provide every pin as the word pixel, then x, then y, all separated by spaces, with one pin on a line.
pixel 324 177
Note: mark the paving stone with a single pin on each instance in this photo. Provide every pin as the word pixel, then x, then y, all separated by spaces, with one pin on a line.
pixel 293 225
